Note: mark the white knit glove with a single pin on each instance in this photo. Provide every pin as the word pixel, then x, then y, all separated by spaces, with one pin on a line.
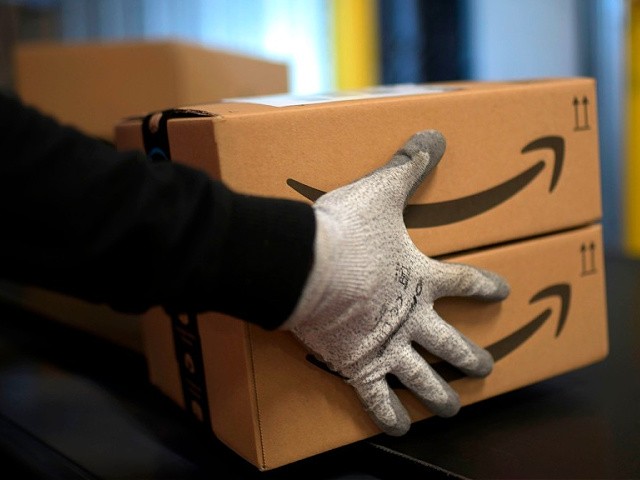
pixel 370 293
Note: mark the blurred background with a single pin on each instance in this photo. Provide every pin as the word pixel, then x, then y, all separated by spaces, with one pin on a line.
pixel 348 44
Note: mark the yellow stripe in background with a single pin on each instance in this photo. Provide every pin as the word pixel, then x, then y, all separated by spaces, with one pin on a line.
pixel 356 46
pixel 632 214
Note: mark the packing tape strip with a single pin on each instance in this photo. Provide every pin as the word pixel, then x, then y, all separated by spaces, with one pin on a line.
pixel 186 337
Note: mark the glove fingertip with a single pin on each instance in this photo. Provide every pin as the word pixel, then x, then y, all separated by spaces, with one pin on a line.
pixel 484 365
pixel 385 409
pixel 477 363
pixel 400 423
pixel 501 288
pixel 449 408
pixel 396 429
pixel 431 142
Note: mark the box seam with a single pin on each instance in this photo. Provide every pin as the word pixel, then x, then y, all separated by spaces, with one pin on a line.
pixel 592 223
pixel 463 88
pixel 254 386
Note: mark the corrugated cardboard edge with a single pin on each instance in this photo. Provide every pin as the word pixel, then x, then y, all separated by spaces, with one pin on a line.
pixel 230 382
pixel 260 451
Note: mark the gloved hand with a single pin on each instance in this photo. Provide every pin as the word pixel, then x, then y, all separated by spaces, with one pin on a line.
pixel 371 292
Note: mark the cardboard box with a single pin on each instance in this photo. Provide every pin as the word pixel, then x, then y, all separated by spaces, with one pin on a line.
pixel 272 405
pixel 94 85
pixel 517 192
pixel 518 162
pixel 101 321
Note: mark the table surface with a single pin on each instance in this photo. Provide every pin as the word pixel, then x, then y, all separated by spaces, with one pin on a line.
pixel 75 406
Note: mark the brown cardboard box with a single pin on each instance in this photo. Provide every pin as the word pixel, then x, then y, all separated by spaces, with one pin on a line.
pixel 94 85
pixel 521 166
pixel 518 160
pixel 98 320
pixel 272 405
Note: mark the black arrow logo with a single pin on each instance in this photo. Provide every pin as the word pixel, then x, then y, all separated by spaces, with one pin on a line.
pixel 503 347
pixel 451 211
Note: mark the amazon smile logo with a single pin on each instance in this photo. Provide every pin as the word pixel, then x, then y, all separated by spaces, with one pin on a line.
pixel 502 348
pixel 443 213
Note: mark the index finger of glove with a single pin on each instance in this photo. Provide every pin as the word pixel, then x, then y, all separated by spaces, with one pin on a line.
pixel 399 178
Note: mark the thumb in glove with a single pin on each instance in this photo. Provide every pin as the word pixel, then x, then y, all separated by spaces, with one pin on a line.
pixel 370 293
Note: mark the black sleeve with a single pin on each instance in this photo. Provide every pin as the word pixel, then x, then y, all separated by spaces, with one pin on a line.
pixel 110 227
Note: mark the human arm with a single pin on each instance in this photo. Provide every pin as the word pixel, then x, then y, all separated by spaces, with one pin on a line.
pixel 113 228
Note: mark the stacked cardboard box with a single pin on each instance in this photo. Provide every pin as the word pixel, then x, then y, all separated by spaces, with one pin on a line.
pixel 93 85
pixel 517 192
